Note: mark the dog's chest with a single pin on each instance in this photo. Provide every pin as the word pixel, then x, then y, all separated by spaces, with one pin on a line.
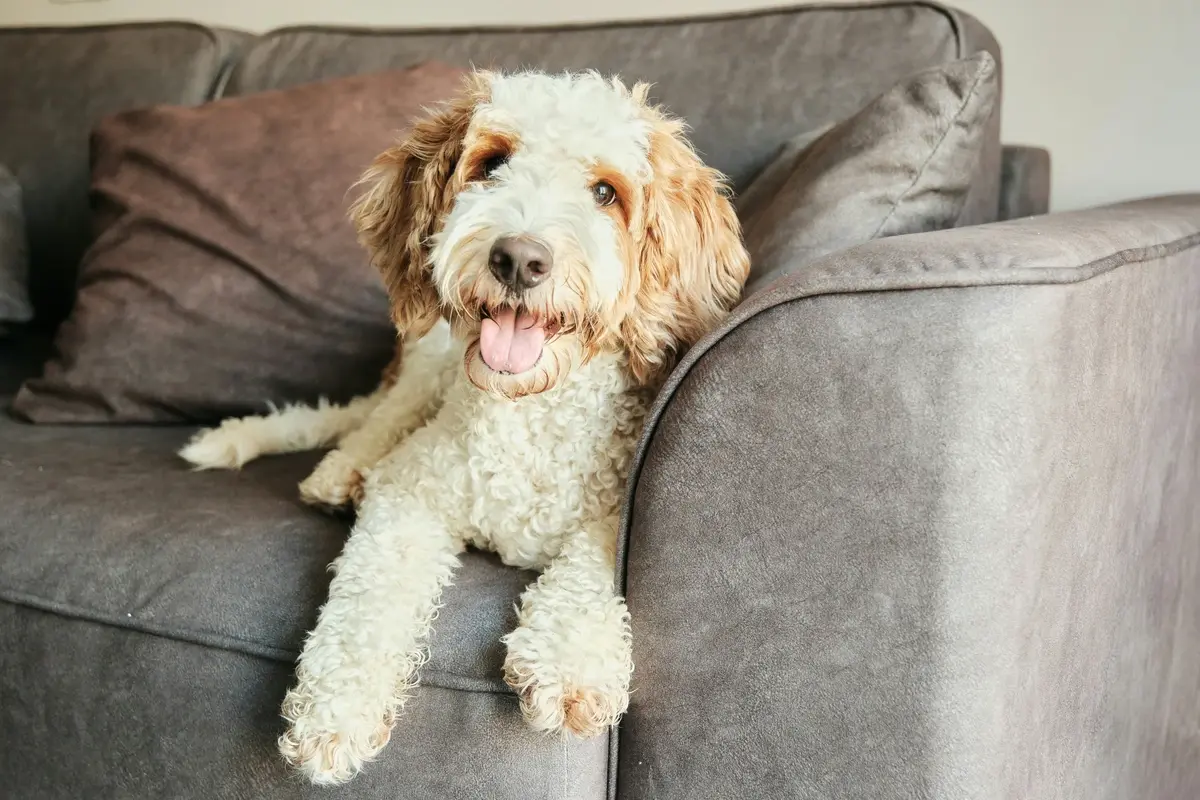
pixel 536 470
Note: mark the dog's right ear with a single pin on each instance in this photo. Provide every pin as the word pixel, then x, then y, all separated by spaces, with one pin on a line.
pixel 408 196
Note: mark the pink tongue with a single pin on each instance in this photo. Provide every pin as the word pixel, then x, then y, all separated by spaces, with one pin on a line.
pixel 509 343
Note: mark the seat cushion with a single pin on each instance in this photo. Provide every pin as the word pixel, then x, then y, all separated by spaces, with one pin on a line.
pixel 101 713
pixel 107 524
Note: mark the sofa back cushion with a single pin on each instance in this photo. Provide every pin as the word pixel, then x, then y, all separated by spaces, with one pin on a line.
pixel 903 164
pixel 55 85
pixel 745 82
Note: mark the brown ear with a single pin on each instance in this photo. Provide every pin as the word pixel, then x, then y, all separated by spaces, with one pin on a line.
pixel 693 263
pixel 408 196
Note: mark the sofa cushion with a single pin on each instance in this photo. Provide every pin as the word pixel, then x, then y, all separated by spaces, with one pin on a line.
pixel 14 253
pixel 108 524
pixel 87 72
pixel 745 81
pixel 93 712
pixel 226 274
pixel 903 164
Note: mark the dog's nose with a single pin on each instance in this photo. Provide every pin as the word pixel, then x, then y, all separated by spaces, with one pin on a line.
pixel 519 262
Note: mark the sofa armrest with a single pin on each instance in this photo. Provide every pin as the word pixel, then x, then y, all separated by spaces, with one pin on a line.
pixel 923 520
pixel 1024 182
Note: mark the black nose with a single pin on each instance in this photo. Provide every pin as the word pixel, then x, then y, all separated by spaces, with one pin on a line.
pixel 519 262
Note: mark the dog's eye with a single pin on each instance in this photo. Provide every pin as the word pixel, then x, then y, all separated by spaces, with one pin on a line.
pixel 494 163
pixel 605 194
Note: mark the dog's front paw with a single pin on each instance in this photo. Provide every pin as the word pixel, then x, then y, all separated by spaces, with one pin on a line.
pixel 335 485
pixel 329 754
pixel 552 703
pixel 225 447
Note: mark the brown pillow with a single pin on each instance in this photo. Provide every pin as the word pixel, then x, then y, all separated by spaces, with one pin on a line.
pixel 225 274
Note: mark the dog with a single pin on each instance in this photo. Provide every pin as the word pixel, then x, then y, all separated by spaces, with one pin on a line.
pixel 549 244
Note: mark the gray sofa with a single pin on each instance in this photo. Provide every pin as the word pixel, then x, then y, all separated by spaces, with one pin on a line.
pixel 922 520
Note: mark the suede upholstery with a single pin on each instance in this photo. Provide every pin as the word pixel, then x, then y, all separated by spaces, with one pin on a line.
pixel 131 715
pixel 247 573
pixel 902 164
pixel 780 72
pixel 1024 182
pixel 918 521
pixel 225 273
pixel 944 490
pixel 90 72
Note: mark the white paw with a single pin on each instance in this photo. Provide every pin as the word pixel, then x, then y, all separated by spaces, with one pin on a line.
pixel 336 483
pixel 552 701
pixel 326 750
pixel 220 448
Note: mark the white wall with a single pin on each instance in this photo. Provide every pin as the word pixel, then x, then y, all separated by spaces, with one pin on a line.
pixel 1112 87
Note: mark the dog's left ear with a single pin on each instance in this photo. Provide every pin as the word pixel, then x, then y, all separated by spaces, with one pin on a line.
pixel 693 263
pixel 409 192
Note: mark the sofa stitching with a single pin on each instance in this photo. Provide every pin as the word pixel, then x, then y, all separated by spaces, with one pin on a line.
pixel 1054 276
pixel 267 38
pixel 217 641
pixel 1074 275
pixel 210 33
pixel 225 61
pixel 953 19
pixel 1079 274
pixel 648 22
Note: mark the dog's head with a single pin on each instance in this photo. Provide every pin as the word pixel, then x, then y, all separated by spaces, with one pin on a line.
pixel 551 218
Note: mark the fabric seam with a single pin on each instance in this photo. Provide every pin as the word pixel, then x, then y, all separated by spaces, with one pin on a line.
pixel 267 38
pixel 232 644
pixel 1087 271
pixel 648 22
pixel 210 32
pixel 1091 269
pixel 933 153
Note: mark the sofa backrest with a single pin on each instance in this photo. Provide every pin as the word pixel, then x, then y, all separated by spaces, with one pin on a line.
pixel 55 85
pixel 745 82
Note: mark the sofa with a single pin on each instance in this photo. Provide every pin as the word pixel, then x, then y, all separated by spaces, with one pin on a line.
pixel 921 519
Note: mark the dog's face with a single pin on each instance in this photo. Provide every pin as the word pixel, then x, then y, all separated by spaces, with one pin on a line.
pixel 551 218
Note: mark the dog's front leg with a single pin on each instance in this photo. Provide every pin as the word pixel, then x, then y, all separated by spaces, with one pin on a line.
pixel 426 368
pixel 570 659
pixel 360 661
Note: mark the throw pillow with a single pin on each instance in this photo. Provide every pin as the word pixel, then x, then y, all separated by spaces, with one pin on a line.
pixel 903 164
pixel 14 254
pixel 225 274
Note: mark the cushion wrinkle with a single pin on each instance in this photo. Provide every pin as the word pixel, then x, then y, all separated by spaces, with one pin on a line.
pixel 222 276
pixel 982 76
pixel 229 560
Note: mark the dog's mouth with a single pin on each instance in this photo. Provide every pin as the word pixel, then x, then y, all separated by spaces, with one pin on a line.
pixel 511 339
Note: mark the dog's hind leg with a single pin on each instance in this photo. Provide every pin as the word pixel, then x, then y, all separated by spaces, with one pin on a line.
pixel 291 429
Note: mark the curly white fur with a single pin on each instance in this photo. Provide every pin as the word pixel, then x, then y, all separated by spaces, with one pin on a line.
pixel 532 465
